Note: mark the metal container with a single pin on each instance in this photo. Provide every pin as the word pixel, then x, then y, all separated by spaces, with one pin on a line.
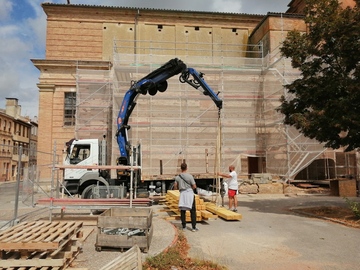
pixel 124 227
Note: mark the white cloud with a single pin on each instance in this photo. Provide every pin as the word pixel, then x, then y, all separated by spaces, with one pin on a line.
pixel 38 29
pixel 233 6
pixel 19 39
pixel 36 6
pixel 5 10
pixel 7 31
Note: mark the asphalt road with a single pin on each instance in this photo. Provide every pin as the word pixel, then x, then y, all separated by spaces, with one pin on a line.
pixel 270 236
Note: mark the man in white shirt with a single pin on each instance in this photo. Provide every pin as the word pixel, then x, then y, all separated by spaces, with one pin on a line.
pixel 232 187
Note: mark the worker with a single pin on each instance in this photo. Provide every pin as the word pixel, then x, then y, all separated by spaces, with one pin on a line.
pixel 185 183
pixel 232 184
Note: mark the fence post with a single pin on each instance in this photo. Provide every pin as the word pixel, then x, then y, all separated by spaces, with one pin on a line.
pixel 52 181
pixel 17 193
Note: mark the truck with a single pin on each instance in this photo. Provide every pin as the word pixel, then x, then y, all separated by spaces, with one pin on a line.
pixel 86 171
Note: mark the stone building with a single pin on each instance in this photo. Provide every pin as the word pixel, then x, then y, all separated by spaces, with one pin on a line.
pixel 6 131
pixel 94 52
pixel 15 131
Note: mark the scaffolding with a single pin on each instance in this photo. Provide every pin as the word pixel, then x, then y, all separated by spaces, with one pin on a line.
pixel 93 101
pixel 287 151
pixel 182 123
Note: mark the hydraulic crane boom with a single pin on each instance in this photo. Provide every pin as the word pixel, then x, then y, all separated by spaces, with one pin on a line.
pixel 197 82
pixel 153 82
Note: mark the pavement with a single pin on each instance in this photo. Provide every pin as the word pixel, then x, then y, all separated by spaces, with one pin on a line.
pixel 269 236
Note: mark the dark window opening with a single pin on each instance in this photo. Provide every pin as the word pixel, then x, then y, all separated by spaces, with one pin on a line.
pixel 69 109
pixel 79 153
pixel 234 30
pixel 256 165
pixel 197 28
pixel 320 169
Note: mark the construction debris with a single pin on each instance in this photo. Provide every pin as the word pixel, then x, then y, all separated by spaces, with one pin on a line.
pixel 122 231
pixel 122 228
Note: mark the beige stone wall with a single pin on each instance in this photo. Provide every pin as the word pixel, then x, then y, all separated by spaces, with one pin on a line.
pixel 87 33
pixel 74 40
pixel 272 31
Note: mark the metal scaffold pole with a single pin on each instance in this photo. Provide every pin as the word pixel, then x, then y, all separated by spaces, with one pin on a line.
pixel 52 181
pixel 17 193
pixel 218 162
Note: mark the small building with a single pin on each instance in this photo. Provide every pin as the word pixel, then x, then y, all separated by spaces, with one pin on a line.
pixel 16 141
pixel 6 143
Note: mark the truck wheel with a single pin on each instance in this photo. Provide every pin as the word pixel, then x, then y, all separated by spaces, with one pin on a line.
pixel 87 193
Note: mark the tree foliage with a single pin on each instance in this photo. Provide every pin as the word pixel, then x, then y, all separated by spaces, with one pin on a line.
pixel 324 104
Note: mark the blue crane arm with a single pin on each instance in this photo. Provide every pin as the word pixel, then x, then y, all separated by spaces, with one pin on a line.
pixel 151 84
pixel 197 81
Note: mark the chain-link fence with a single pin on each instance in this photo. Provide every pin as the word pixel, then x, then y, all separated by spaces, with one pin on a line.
pixel 23 182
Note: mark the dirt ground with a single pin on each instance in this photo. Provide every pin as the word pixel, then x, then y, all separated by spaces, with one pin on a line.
pixel 343 215
pixel 335 214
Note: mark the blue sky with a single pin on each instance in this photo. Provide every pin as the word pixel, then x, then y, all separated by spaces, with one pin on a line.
pixel 23 33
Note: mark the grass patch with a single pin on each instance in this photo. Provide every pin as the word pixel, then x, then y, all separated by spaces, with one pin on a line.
pixel 354 207
pixel 176 258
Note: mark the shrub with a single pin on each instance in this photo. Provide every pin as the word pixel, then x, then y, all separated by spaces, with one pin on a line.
pixel 354 206
pixel 176 258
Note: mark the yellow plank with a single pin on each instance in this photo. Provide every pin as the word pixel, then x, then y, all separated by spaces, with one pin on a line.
pixel 223 212
pixel 207 214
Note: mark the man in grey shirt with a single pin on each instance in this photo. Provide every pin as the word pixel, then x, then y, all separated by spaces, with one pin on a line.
pixel 185 183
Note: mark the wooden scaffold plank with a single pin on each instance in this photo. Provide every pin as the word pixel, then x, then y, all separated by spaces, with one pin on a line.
pixel 222 212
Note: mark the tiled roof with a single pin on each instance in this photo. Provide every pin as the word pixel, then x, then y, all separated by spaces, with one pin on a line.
pixel 144 8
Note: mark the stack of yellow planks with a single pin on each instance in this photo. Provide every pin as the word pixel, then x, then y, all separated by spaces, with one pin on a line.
pixel 172 202
pixel 222 212
pixel 204 210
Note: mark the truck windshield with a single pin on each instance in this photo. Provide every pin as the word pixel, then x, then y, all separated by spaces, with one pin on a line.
pixel 79 153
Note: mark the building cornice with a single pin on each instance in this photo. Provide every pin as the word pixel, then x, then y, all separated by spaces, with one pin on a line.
pixel 43 64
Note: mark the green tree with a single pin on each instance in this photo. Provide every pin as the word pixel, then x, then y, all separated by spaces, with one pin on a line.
pixel 324 104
